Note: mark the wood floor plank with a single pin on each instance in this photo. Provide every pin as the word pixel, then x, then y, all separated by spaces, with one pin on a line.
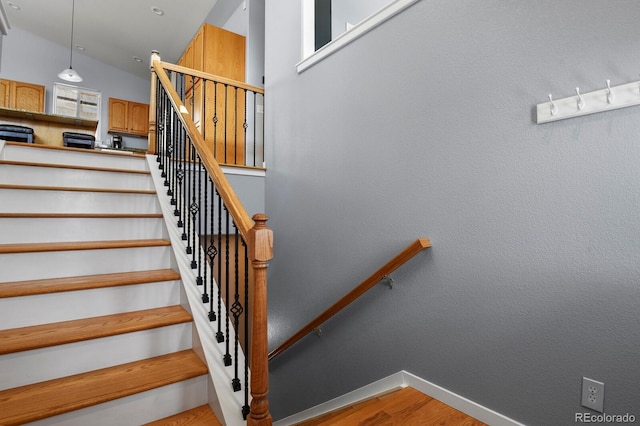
pixel 85 282
pixel 40 400
pixel 199 416
pixel 81 245
pixel 46 335
pixel 406 406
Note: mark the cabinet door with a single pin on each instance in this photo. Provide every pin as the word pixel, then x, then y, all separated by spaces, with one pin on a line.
pixel 138 122
pixel 27 96
pixel 5 91
pixel 117 115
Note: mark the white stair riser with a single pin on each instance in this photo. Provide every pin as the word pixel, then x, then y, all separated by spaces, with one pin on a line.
pixel 39 309
pixel 50 176
pixel 33 266
pixel 137 409
pixel 64 360
pixel 32 230
pixel 75 158
pixel 51 201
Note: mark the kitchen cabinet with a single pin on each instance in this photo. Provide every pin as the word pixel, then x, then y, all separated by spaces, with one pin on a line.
pixel 128 117
pixel 222 53
pixel 21 95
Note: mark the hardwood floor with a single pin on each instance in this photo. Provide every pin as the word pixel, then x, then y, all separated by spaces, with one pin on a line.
pixel 406 406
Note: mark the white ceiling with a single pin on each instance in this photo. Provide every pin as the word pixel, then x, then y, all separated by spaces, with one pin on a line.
pixel 116 31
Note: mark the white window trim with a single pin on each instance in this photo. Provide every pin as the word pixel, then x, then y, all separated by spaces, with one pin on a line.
pixel 312 57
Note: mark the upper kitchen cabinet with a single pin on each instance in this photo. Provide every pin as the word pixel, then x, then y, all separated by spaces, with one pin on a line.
pixel 128 117
pixel 21 95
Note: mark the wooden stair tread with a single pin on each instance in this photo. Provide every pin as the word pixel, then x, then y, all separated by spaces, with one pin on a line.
pixel 60 333
pixel 127 154
pixel 78 189
pixel 85 282
pixel 199 416
pixel 81 215
pixel 40 400
pixel 73 167
pixel 81 245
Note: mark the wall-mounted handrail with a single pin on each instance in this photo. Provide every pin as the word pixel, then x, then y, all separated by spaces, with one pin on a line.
pixel 400 259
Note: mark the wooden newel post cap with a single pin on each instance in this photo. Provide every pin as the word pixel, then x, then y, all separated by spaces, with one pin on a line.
pixel 261 239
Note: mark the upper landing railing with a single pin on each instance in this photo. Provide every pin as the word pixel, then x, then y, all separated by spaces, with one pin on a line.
pixel 228 114
pixel 400 259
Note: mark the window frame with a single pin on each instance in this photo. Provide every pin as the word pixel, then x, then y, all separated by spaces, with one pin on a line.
pixel 311 56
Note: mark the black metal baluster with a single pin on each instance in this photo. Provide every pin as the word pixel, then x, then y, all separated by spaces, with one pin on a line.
pixel 198 230
pixel 211 251
pixel 227 355
pixel 219 334
pixel 236 311
pixel 226 119
pixel 245 126
pixel 215 119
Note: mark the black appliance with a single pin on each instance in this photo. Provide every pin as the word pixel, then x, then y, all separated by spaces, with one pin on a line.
pixel 117 141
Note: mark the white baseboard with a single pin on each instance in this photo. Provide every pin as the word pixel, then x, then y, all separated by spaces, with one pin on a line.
pixel 399 380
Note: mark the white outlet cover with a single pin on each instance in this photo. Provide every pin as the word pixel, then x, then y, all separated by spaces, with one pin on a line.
pixel 593 394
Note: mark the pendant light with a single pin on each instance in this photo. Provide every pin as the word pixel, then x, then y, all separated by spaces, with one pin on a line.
pixel 70 74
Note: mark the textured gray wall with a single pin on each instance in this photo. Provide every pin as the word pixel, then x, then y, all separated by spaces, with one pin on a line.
pixel 425 127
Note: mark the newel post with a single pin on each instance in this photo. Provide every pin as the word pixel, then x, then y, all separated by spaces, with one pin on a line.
pixel 155 56
pixel 261 243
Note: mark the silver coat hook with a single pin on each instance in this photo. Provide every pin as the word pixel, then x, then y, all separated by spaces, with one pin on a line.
pixel 580 100
pixel 610 96
pixel 554 107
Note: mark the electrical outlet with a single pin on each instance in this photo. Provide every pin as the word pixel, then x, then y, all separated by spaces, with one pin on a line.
pixel 593 394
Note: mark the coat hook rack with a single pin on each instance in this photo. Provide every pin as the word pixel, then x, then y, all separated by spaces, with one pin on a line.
pixel 606 99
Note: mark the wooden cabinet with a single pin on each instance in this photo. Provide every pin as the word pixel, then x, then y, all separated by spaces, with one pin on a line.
pixel 128 117
pixel 217 110
pixel 21 95
pixel 216 51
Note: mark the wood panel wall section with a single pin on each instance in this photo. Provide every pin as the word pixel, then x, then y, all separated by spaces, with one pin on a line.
pixel 219 52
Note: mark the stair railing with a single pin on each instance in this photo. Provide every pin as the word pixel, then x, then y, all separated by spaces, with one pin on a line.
pixel 219 232
pixel 382 273
pixel 228 114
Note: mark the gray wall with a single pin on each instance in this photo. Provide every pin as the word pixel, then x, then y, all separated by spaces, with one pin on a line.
pixel 425 128
pixel 27 57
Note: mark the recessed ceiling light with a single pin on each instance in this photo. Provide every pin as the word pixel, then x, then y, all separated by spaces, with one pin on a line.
pixel 137 59
pixel 157 10
pixel 13 5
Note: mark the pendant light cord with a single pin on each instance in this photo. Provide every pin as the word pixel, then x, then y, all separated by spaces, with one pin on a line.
pixel 73 9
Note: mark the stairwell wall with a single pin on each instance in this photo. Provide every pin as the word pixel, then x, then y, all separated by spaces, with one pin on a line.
pixel 425 127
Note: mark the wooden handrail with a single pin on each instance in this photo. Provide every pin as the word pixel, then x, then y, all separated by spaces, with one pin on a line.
pixel 242 220
pixel 401 258
pixel 213 77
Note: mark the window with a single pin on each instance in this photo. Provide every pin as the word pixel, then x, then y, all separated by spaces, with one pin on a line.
pixel 328 25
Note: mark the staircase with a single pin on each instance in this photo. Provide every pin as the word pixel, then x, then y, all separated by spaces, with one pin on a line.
pixel 92 328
